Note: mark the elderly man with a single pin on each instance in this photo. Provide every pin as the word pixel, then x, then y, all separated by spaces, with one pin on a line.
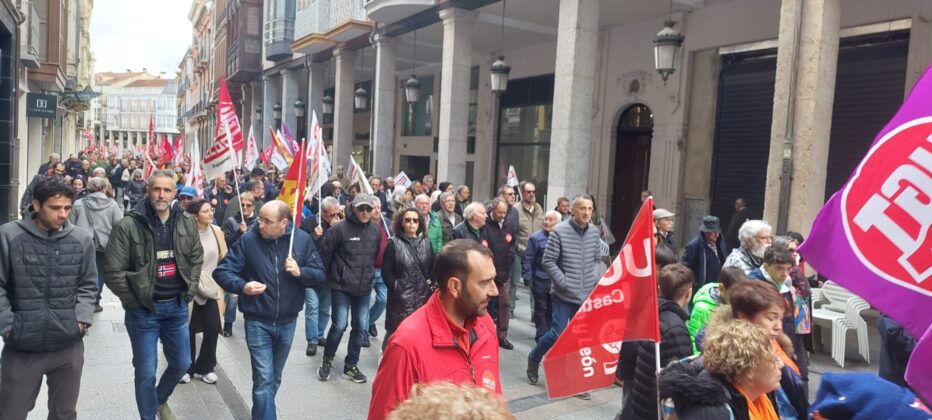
pixel 270 277
pixel 573 261
pixel 473 224
pixel 449 339
pixel 500 238
pixel 663 228
pixel 509 195
pixel 428 182
pixel 462 198
pixel 704 255
pixel 317 299
pixel 440 231
pixel 536 277
pixel 756 236
pixel 153 264
pixel 422 204
pixel 53 159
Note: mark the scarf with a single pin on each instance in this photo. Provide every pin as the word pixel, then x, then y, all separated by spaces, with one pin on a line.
pixel 761 408
pixel 783 356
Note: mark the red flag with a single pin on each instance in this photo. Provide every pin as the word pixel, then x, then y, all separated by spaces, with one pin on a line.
pixel 623 306
pixel 151 134
pixel 266 154
pixel 166 154
pixel 227 121
pixel 295 184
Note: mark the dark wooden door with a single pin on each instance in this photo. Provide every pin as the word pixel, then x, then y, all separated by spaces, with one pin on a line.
pixel 632 167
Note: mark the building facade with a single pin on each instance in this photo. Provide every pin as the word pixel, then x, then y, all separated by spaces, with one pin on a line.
pixel 130 107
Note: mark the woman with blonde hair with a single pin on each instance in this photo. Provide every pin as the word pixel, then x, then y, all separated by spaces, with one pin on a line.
pixel 741 373
pixel 444 400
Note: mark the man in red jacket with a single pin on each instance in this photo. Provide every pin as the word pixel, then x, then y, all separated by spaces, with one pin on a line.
pixel 451 338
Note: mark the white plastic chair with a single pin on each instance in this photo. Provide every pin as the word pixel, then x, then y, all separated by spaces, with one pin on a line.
pixel 842 310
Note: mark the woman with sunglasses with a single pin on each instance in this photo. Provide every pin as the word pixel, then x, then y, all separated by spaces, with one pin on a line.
pixel 406 269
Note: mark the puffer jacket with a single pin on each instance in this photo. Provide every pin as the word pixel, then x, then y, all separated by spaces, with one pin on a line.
pixel 253 258
pixel 699 395
pixel 101 211
pixel 231 232
pixel 704 302
pixel 502 241
pixel 130 262
pixel 532 271
pixel 674 345
pixel 406 270
pixel 48 284
pixel 348 251
pixel 136 191
pixel 573 261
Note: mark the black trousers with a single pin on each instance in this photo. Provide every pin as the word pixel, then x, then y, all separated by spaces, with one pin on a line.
pixel 21 378
pixel 204 318
pixel 543 312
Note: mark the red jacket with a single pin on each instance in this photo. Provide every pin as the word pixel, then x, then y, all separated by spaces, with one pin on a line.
pixel 423 350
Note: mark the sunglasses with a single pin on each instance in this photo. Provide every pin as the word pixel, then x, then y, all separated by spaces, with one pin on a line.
pixel 410 220
pixel 364 208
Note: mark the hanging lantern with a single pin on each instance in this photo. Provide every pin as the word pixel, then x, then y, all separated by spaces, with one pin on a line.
pixel 667 43
pixel 299 108
pixel 412 89
pixel 499 72
pixel 327 104
pixel 361 98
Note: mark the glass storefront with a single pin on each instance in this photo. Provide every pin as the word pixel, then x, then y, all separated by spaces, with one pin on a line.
pixel 523 139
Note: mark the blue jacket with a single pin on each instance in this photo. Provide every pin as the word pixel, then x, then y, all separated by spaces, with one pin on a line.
pixel 255 259
pixel 532 271
pixel 703 262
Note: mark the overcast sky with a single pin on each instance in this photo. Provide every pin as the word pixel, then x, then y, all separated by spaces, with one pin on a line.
pixel 134 34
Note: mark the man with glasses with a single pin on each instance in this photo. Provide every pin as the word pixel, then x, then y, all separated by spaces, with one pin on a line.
pixel 317 298
pixel 756 236
pixel 530 220
pixel 348 250
pixel 270 277
pixel 509 195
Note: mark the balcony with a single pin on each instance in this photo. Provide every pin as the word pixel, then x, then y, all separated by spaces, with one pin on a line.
pixel 244 53
pixel 347 20
pixel 313 19
pixel 30 56
pixel 391 11
pixel 278 29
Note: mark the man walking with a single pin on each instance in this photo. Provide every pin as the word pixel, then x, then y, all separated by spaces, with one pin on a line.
pixel 48 281
pixel 501 240
pixel 378 285
pixel 96 214
pixel 573 261
pixel 270 283
pixel 535 277
pixel 451 338
pixel 348 250
pixel 317 298
pixel 155 280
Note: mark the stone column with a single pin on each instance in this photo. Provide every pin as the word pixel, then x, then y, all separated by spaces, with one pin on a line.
pixel 270 98
pixel 804 93
pixel 290 93
pixel 454 94
pixel 574 85
pixel 384 106
pixel 486 112
pixel 316 80
pixel 258 122
pixel 343 108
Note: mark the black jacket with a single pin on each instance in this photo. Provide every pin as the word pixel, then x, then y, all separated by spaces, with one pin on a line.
pixel 731 234
pixel 406 270
pixel 253 258
pixel 703 262
pixel 699 395
pixel 308 224
pixel 503 241
pixel 348 251
pixel 231 232
pixel 674 345
pixel 465 231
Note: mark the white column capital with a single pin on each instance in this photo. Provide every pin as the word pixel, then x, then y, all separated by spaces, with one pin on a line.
pixel 457 15
pixel 344 54
pixel 380 40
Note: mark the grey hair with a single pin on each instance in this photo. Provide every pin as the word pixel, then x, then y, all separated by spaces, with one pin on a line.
pixel 783 242
pixel 752 228
pixel 581 197
pixel 102 171
pixel 138 172
pixel 472 209
pixel 461 188
pixel 97 184
pixel 553 213
pixel 329 203
pixel 399 193
pixel 444 196
pixel 163 173
pixel 421 197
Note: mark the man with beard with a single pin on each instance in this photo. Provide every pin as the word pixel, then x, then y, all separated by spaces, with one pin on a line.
pixel 459 325
pixel 155 280
pixel 755 236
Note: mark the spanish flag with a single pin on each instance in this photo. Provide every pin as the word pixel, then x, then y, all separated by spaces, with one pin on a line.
pixel 294 184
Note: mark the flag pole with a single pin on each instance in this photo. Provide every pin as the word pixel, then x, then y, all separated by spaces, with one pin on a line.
pixel 320 174
pixel 297 196
pixel 235 166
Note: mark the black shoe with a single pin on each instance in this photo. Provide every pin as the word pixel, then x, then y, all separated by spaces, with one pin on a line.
pixel 323 372
pixel 322 342
pixel 511 315
pixel 311 349
pixel 354 375
pixel 98 308
pixel 532 372
pixel 584 396
pixel 365 341
pixel 505 344
pixel 227 329
pixel 373 331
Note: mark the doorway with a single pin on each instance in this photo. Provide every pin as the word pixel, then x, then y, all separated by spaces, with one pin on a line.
pixel 632 167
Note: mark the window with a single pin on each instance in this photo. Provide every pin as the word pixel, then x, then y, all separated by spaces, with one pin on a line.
pixel 418 117
pixel 524 132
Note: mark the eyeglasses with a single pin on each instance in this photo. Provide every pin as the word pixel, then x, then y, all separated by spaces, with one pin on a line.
pixel 530 191
pixel 765 238
pixel 411 220
pixel 248 205
pixel 363 208
pixel 509 194
pixel 268 222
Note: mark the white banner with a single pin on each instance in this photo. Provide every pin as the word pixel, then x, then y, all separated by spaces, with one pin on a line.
pixel 402 179
pixel 252 151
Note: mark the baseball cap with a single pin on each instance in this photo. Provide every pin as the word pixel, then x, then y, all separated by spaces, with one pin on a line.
pixel 188 192
pixel 362 199
pixel 662 214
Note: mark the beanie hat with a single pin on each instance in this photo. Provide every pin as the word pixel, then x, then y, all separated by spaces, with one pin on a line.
pixel 865 396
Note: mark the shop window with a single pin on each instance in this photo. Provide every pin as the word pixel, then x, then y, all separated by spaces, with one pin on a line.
pixel 418 117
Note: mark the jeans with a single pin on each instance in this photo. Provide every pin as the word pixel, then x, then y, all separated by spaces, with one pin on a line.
pixel 562 313
pixel 229 315
pixel 543 312
pixel 381 297
pixel 342 303
pixel 99 260
pixel 316 313
pixel 169 324
pixel 268 351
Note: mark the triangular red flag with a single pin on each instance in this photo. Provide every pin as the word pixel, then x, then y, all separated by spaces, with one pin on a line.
pixel 623 306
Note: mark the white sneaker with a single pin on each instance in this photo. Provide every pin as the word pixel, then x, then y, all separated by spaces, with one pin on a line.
pixel 185 379
pixel 210 378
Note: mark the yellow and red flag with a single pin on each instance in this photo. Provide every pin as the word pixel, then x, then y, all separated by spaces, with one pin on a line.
pixel 294 185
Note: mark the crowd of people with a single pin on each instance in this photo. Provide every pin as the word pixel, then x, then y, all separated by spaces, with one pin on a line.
pixel 442 267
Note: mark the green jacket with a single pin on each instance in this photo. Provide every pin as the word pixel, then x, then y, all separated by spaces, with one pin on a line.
pixel 704 303
pixel 130 263
pixel 440 230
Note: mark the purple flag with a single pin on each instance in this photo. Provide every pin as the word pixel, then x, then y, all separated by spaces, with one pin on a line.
pixel 873 236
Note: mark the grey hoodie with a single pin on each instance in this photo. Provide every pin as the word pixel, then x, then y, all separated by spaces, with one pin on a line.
pixel 102 211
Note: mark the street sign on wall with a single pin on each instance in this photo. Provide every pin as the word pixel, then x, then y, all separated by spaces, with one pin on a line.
pixel 41 105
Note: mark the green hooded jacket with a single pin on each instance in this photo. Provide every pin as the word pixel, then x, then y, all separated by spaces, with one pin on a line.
pixel 704 303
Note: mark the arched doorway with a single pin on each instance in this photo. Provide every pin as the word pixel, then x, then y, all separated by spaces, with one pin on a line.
pixel 632 166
